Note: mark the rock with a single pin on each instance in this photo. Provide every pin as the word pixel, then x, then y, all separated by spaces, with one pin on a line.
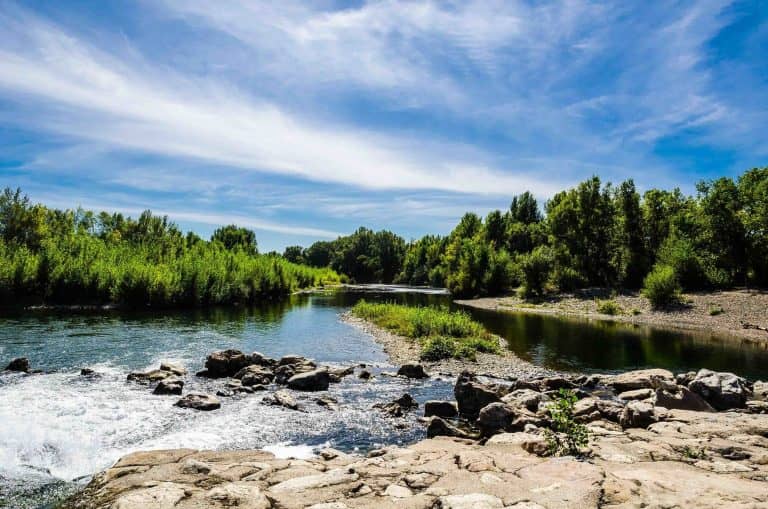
pixel 328 402
pixel 397 491
pixel 20 365
pixel 685 378
pixel 163 495
pixel 721 390
pixel 446 409
pixel 254 375
pixel 471 501
pixel 529 442
pixel 555 383
pixel 292 360
pixel 526 398
pixel 259 359
pixel 412 370
pixel 176 369
pixel 198 401
pixel 149 377
pixel 472 396
pixel 638 414
pixel 338 374
pixel 684 399
pixel 281 398
pixel 87 372
pixel 609 409
pixel 642 379
pixel 365 375
pixel 760 391
pixel 438 427
pixel 636 395
pixel 225 363
pixel 398 407
pixel 317 380
pixel 495 418
pixel 169 386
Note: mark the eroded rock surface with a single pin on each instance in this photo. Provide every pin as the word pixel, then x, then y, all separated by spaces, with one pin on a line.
pixel 692 459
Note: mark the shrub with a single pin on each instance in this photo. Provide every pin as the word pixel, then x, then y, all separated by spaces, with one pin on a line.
pixel 437 348
pixel 661 286
pixel 568 279
pixel 608 307
pixel 566 436
pixel 716 310
pixel 536 267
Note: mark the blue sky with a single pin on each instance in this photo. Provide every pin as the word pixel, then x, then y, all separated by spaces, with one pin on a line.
pixel 304 120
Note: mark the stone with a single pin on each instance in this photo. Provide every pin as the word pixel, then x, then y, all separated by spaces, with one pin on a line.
pixel 685 378
pixel 723 391
pixel 316 380
pixel 169 386
pixel 438 427
pixel 684 399
pixel 365 375
pixel 148 377
pixel 19 365
pixel 555 383
pixel 338 374
pixel 760 391
pixel 527 398
pixel 398 407
pixel 176 369
pixel 397 491
pixel 447 409
pixel 472 396
pixel 471 501
pixel 314 482
pixel 87 372
pixel 412 370
pixel 292 360
pixel 494 418
pixel 225 363
pixel 328 402
pixel 164 495
pixel 642 379
pixel 609 409
pixel 198 401
pixel 636 395
pixel 638 414
pixel 255 375
pixel 239 494
pixel 281 398
pixel 260 359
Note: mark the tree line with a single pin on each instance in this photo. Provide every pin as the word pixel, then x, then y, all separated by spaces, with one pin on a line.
pixel 593 234
pixel 51 256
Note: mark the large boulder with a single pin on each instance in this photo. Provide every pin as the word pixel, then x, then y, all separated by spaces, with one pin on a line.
pixel 398 407
pixel 446 409
pixel 20 365
pixel 148 377
pixel 316 380
pixel 438 427
pixel 225 363
pixel 198 401
pixel 638 414
pixel 526 398
pixel 609 409
pixel 281 398
pixel 642 379
pixel 495 418
pixel 472 396
pixel 412 370
pixel 169 386
pixel 176 369
pixel 721 390
pixel 683 399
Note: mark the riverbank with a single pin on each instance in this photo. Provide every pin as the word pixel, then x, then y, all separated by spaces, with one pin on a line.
pixel 401 350
pixel 722 312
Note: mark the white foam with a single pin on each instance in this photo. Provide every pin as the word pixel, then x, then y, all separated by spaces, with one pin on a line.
pixel 285 450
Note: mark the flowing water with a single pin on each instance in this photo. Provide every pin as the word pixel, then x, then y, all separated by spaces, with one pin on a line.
pixel 58 428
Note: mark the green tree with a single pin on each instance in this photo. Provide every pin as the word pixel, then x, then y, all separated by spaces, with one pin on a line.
pixel 294 254
pixel 234 237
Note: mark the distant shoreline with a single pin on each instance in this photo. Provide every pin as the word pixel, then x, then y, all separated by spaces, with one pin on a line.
pixel 720 312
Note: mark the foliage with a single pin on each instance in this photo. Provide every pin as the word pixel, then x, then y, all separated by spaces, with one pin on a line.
pixel 536 268
pixel 567 436
pixel 716 310
pixel 233 237
pixel 77 257
pixel 661 286
pixel 609 307
pixel 442 333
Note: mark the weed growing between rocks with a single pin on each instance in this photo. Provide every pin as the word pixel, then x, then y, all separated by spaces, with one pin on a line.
pixel 567 437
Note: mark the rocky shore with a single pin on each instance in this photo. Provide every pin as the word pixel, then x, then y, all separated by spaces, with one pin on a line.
pixel 655 440
pixel 739 314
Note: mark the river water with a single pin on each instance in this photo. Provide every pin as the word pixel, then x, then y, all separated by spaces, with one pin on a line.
pixel 58 428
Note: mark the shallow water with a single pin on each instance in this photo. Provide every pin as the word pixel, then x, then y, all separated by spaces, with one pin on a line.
pixel 58 428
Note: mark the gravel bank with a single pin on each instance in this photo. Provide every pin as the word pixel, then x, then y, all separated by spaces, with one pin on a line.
pixel 402 350
pixel 718 312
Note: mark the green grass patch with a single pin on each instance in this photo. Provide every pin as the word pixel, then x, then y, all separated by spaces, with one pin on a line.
pixel 716 310
pixel 442 334
pixel 609 307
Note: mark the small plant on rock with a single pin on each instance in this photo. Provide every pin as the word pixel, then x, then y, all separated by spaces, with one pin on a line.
pixel 567 436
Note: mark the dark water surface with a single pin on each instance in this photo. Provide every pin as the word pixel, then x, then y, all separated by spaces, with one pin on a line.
pixel 58 427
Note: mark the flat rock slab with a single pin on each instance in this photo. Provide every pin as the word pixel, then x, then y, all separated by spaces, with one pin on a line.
pixel 693 459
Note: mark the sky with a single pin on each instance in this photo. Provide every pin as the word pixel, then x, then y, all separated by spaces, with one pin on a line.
pixel 304 120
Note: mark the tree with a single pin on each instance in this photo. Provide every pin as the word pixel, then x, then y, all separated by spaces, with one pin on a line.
pixel 234 238
pixel 294 254
pixel 319 254
pixel 525 209
pixel 495 229
pixel 631 255
pixel 753 193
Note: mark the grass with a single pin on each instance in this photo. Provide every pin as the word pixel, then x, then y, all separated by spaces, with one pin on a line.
pixel 609 307
pixel 716 310
pixel 441 333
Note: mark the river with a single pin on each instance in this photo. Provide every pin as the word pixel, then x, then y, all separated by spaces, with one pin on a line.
pixel 58 428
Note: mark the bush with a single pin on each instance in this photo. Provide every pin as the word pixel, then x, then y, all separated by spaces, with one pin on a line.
pixel 661 286
pixel 608 307
pixel 566 436
pixel 568 279
pixel 536 267
pixel 437 348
